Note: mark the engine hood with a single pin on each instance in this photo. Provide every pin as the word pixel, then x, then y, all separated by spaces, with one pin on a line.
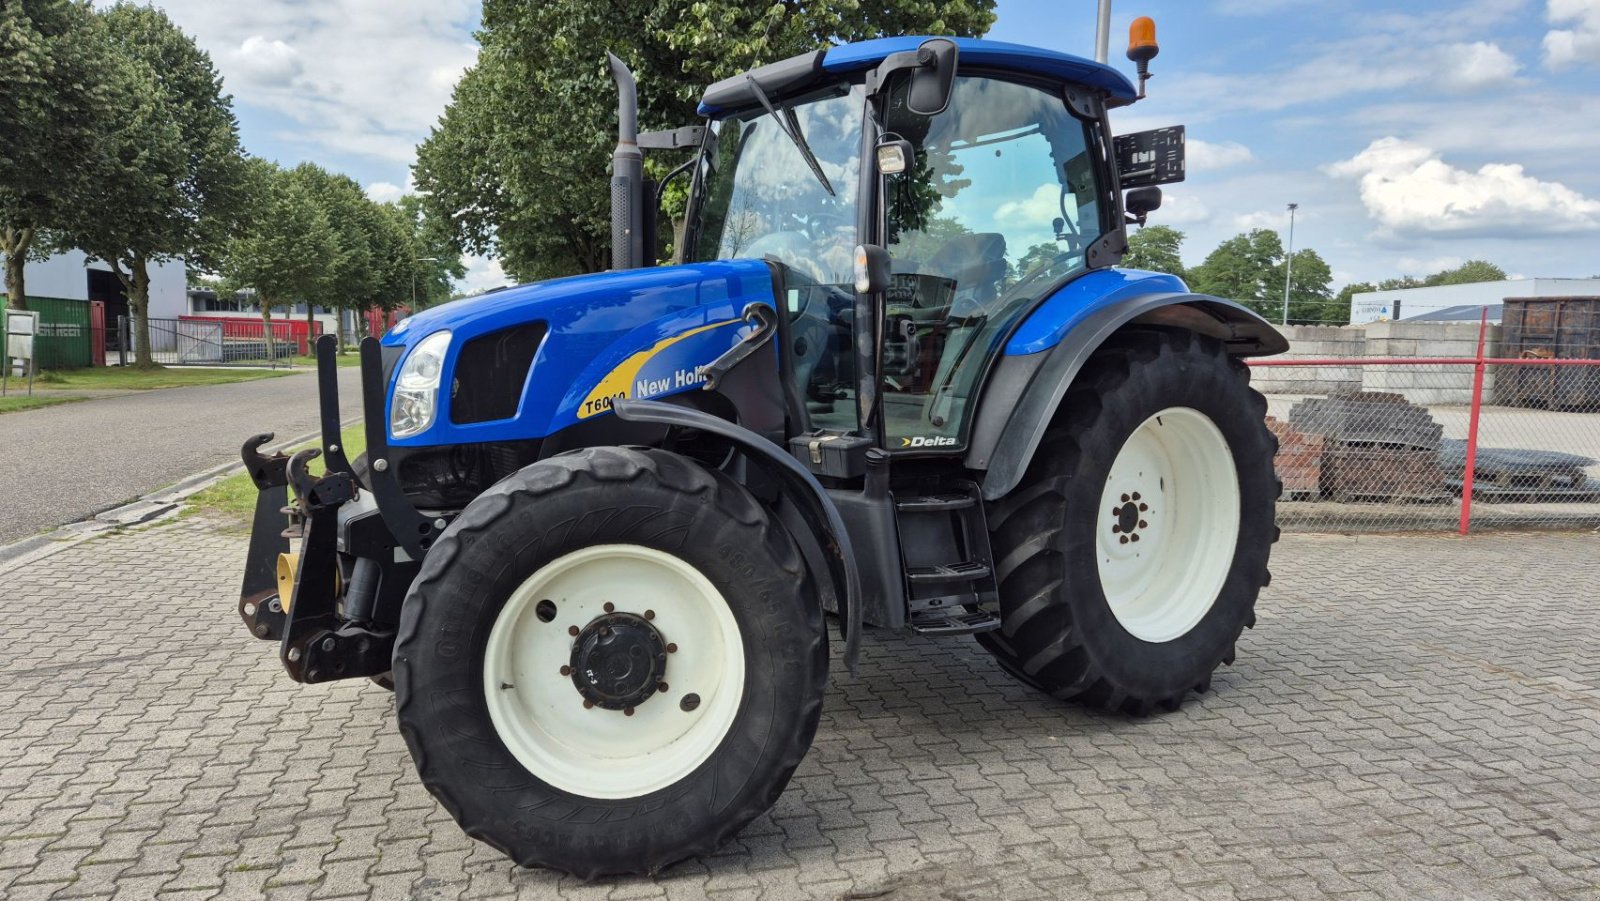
pixel 608 335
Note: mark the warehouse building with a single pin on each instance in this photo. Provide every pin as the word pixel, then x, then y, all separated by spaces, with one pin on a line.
pixel 1411 303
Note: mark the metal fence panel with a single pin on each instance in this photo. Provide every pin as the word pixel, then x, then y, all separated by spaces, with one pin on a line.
pixel 212 342
pixel 1388 444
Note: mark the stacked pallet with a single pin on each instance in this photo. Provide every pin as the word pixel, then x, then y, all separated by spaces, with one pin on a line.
pixel 1377 447
pixel 1298 461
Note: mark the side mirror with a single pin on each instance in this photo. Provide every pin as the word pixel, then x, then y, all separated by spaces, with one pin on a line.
pixel 1141 202
pixel 933 78
pixel 872 269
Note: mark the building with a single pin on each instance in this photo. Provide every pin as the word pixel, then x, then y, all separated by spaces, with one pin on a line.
pixel 71 276
pixel 1410 303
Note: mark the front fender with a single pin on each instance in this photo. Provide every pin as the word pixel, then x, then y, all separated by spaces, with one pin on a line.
pixel 799 486
pixel 1025 390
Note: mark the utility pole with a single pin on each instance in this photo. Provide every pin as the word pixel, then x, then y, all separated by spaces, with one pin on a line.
pixel 1102 34
pixel 1288 264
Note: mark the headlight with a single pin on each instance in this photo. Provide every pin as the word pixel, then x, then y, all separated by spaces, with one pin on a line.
pixel 416 388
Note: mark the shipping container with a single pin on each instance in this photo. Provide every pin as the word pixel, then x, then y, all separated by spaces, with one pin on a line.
pixel 1550 328
pixel 66 333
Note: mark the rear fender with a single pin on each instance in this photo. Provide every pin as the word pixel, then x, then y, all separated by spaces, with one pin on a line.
pixel 1025 390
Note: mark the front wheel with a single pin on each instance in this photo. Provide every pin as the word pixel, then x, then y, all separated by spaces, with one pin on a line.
pixel 610 662
pixel 1131 555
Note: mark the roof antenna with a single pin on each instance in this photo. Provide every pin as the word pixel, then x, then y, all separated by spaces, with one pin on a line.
pixel 1102 34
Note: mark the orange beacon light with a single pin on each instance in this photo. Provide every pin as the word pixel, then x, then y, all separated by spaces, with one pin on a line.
pixel 1142 47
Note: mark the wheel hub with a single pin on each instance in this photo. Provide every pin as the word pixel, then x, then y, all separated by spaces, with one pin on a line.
pixel 618 661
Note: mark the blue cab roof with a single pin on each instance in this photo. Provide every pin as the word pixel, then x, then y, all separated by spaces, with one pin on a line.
pixel 994 54
pixel 973 52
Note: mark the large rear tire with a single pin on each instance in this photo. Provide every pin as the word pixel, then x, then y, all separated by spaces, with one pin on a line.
pixel 610 661
pixel 1131 555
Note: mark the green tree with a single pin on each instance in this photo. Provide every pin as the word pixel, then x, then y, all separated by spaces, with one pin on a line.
pixel 352 272
pixel 438 252
pixel 168 176
pixel 1249 268
pixel 519 162
pixel 54 99
pixel 1155 248
pixel 282 247
pixel 1467 273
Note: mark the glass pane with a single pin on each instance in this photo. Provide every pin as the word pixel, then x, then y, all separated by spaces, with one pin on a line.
pixel 1002 203
pixel 761 200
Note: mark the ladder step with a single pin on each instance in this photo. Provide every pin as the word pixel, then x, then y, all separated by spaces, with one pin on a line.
pixel 954 622
pixel 968 571
pixel 933 502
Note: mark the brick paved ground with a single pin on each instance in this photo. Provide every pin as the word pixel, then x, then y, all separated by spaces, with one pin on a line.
pixel 1414 716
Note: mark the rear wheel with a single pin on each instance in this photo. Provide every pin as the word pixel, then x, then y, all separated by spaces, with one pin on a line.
pixel 610 662
pixel 1131 556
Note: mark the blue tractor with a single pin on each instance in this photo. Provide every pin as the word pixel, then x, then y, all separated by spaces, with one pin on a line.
pixel 897 380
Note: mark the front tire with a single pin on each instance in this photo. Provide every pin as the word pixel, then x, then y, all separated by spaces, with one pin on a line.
pixel 676 713
pixel 1131 555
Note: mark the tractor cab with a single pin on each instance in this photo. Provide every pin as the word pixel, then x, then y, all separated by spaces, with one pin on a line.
pixel 980 169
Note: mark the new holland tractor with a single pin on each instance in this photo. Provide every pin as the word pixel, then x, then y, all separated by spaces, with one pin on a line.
pixel 897 381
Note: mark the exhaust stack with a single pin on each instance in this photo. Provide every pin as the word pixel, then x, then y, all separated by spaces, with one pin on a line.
pixel 627 174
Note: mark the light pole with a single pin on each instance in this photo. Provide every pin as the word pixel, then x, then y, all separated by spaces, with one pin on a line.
pixel 414 278
pixel 1288 264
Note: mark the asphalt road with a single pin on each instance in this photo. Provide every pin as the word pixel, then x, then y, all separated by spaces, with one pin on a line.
pixel 65 463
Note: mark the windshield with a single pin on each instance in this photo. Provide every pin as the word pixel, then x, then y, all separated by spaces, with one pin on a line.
pixel 761 199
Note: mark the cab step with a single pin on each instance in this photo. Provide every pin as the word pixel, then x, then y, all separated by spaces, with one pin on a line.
pixel 955 621
pixel 932 503
pixel 966 571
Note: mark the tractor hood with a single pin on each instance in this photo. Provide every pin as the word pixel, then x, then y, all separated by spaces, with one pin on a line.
pixel 637 333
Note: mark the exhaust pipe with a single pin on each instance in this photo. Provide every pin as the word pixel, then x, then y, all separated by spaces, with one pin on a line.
pixel 627 174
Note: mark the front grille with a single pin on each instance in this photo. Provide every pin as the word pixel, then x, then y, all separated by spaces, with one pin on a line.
pixel 490 373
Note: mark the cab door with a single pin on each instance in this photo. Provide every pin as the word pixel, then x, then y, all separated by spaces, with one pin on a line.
pixel 1004 198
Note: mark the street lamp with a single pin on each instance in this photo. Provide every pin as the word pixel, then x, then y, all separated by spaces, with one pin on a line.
pixel 1288 264
pixel 414 278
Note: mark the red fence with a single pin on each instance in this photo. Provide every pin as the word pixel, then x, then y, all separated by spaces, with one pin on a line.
pixel 283 330
pixel 1390 442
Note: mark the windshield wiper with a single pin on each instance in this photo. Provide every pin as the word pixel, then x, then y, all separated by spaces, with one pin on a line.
pixel 789 126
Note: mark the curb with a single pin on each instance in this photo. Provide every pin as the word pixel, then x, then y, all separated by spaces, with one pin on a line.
pixel 159 504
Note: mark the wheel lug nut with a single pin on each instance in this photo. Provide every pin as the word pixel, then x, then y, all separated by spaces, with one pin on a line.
pixel 1135 496
pixel 1143 507
pixel 649 614
pixel 1125 498
pixel 672 648
pixel 588 704
pixel 1115 528
pixel 1123 539
pixel 627 711
pixel 610 607
pixel 662 686
pixel 1135 537
pixel 566 670
pixel 573 631
pixel 1143 524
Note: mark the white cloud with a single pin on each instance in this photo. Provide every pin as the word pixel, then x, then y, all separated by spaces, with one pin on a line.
pixel 385 191
pixel 1474 66
pixel 1042 206
pixel 267 62
pixel 1577 44
pixel 1180 209
pixel 363 77
pixel 1271 220
pixel 1406 187
pixel 1204 156
pixel 483 273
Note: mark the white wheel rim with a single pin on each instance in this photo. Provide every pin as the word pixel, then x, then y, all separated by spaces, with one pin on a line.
pixel 592 751
pixel 1168 524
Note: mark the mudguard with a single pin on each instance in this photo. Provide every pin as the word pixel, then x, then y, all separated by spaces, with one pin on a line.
pixel 1025 389
pixel 798 485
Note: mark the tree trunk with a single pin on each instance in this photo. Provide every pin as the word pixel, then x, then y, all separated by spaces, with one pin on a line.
pixel 338 312
pixel 266 330
pixel 15 243
pixel 311 328
pixel 136 281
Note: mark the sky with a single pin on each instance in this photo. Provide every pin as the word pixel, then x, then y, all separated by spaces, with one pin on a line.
pixel 1412 135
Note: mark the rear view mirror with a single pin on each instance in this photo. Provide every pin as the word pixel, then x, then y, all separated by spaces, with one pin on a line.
pixel 1141 202
pixel 933 78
